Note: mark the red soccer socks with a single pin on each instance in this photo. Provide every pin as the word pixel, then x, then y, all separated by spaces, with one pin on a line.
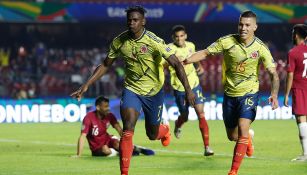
pixel 204 129
pixel 125 149
pixel 239 153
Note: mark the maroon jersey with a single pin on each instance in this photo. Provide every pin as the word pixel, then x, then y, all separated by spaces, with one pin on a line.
pixel 96 129
pixel 297 63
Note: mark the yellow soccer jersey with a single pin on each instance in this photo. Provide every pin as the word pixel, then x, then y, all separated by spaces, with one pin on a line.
pixel 143 59
pixel 182 53
pixel 241 63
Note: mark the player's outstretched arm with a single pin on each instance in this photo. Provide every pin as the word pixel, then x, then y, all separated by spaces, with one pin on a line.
pixel 100 70
pixel 80 145
pixel 174 62
pixel 289 82
pixel 274 87
pixel 197 56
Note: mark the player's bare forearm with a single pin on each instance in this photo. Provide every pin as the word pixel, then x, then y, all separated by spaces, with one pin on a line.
pixel 197 56
pixel 99 71
pixel 119 129
pixel 80 144
pixel 289 82
pixel 174 62
pixel 274 81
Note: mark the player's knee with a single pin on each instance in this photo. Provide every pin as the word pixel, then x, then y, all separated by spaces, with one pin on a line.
pixel 151 136
pixel 232 137
pixel 129 126
pixel 185 116
pixel 116 145
pixel 106 150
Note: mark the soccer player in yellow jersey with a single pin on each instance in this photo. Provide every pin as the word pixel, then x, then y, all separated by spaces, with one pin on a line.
pixel 243 53
pixel 142 52
pixel 183 49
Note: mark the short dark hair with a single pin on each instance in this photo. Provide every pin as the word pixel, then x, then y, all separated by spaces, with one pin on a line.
pixel 300 30
pixel 136 8
pixel 248 14
pixel 101 99
pixel 178 28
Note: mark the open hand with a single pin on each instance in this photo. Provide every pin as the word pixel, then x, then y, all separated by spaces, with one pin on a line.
pixel 273 101
pixel 190 98
pixel 79 93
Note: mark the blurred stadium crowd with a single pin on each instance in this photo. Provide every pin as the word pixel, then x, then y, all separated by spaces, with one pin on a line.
pixel 48 60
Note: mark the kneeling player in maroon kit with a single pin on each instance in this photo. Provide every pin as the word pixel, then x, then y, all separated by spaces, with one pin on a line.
pixel 94 128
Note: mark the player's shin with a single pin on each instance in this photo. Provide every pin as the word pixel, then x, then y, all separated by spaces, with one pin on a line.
pixel 180 121
pixel 303 136
pixel 125 149
pixel 204 129
pixel 239 153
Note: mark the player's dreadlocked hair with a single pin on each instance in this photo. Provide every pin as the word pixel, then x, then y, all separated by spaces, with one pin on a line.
pixel 178 28
pixel 136 8
pixel 248 14
pixel 300 30
pixel 101 99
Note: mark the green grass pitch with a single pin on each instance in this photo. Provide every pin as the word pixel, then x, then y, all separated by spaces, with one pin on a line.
pixel 45 148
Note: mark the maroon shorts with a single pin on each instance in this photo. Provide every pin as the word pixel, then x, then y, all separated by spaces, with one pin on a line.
pixel 299 102
pixel 110 141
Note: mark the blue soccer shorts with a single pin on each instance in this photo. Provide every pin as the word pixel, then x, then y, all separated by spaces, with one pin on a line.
pixel 152 105
pixel 239 107
pixel 181 101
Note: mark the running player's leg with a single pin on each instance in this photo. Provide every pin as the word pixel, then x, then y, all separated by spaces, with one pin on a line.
pixel 129 113
pixel 231 122
pixel 183 107
pixel 153 107
pixel 203 125
pixel 246 109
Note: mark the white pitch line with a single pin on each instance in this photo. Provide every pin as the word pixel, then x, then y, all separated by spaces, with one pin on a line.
pixel 156 150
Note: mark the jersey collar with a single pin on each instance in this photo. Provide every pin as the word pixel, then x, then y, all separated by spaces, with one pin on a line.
pixel 140 36
pixel 238 39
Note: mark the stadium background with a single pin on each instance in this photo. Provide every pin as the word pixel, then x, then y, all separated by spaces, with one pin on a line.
pixel 49 48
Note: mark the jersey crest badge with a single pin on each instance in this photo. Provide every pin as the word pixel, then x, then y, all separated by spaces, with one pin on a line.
pixel 254 55
pixel 144 49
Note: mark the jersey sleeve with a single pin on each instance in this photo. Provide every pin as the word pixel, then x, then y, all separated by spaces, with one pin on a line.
pixel 86 123
pixel 216 47
pixel 193 47
pixel 114 49
pixel 290 62
pixel 165 50
pixel 266 57
pixel 113 120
